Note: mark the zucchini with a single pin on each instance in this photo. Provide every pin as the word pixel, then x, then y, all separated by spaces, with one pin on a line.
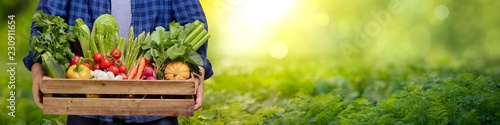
pixel 51 67
pixel 84 37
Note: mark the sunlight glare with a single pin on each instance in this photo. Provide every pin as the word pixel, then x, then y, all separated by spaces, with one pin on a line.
pixel 278 49
pixel 265 12
pixel 254 23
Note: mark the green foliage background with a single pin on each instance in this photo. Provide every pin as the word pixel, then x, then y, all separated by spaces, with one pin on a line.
pixel 418 70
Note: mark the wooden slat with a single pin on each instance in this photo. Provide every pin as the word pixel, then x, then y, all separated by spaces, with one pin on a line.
pixel 118 107
pixel 74 86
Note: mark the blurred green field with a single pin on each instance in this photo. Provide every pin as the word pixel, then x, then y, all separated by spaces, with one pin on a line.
pixel 327 62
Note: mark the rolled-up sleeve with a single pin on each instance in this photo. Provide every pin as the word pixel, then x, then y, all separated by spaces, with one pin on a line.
pixel 186 11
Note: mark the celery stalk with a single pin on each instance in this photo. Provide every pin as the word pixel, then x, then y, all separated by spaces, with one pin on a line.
pixel 200 43
pixel 197 22
pixel 198 38
pixel 192 35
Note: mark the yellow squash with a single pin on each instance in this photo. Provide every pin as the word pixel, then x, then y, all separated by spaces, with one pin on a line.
pixel 177 71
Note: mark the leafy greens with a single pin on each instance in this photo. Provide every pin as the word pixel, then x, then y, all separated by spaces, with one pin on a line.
pixel 166 46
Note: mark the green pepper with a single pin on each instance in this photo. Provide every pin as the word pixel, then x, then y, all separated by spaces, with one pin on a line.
pixel 78 71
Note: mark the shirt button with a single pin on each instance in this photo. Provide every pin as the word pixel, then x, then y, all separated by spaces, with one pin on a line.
pixel 107 10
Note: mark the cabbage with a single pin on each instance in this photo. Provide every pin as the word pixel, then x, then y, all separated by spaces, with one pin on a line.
pixel 105 34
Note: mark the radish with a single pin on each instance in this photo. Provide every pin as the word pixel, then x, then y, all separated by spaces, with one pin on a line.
pixel 148 72
pixel 152 78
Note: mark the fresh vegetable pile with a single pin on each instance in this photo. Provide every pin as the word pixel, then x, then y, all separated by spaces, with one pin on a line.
pixel 160 55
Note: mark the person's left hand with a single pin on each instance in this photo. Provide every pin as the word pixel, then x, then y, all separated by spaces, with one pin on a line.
pixel 199 92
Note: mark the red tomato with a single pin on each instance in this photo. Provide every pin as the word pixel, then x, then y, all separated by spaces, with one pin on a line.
pixel 97 67
pixel 105 63
pixel 87 64
pixel 114 70
pixel 116 53
pixel 74 60
pixel 122 68
pixel 97 57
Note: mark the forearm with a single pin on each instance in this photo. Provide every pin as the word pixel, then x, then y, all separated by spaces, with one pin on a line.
pixel 37 72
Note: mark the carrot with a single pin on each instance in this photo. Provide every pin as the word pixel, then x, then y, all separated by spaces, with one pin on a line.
pixel 132 72
pixel 140 69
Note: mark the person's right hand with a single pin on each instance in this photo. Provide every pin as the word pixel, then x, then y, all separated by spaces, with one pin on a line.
pixel 37 75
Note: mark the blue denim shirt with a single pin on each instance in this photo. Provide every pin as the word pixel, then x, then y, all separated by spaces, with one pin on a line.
pixel 146 15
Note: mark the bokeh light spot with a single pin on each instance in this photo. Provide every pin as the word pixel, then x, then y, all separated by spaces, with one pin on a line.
pixel 441 12
pixel 322 19
pixel 278 49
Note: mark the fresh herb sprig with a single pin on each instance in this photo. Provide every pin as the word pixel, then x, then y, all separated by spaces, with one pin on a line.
pixel 52 38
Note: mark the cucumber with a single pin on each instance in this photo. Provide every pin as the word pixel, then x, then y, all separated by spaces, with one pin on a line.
pixel 51 67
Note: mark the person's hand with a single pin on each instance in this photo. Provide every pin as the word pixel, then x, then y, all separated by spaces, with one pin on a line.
pixel 199 92
pixel 37 75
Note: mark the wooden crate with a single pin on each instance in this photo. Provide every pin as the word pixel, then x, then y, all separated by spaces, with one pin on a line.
pixel 119 106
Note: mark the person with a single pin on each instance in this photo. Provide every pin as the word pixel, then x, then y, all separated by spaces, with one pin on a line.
pixel 143 15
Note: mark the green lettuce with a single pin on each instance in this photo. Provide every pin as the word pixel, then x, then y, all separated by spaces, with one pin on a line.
pixel 105 34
